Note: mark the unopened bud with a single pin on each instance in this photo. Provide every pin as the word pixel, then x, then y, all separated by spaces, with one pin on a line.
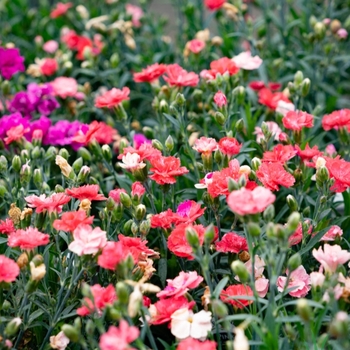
pixel 218 157
pixel 12 327
pixel 83 173
pixel 293 221
pixel 220 118
pixel 292 203
pixel 169 143
pixel 123 293
pixel 219 308
pixel 16 164
pixel 209 234
pixel 157 145
pixel 3 164
pixel 305 87
pixel 66 169
pixel 294 262
pixel 322 175
pixel 107 153
pixel 298 78
pixel 304 310
pixel 145 227
pixel 233 185
pixel 241 271
pixel 256 162
pixel 192 238
pixel 85 154
pixel 253 229
pixel 125 200
pixel 180 100
pixel 38 178
pixel 269 213
pixel 134 228
pixel 71 333
pixel 240 125
pixel 37 272
pixel 51 153
pixel 140 212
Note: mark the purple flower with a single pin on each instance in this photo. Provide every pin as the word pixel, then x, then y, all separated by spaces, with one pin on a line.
pixel 24 103
pixel 43 124
pixel 47 105
pixel 140 139
pixel 9 121
pixel 10 62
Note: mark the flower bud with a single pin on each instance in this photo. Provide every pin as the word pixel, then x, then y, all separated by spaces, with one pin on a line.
pixel 125 200
pixel 298 78
pixel 51 153
pixel 209 234
pixel 169 143
pixel 85 154
pixel 294 262
pixel 180 99
pixel 59 189
pixel 135 302
pixel 218 157
pixel 339 326
pixel 239 93
pixel 145 227
pixel 305 87
pixel 256 162
pixel 242 181
pixel 240 125
pixel 22 260
pixel 12 327
pixel 38 178
pixel 269 213
pixel 304 310
pixel 293 221
pixel 233 185
pixel 164 106
pixel 5 306
pixel 292 203
pixel 25 173
pixel 122 291
pixel 114 60
pixel 106 153
pixel 192 238
pixel 253 229
pixel 66 169
pixel 64 153
pixel 77 165
pixel 322 175
pixel 83 173
pixel 3 164
pixel 37 272
pixel 127 227
pixel 241 271
pixel 3 191
pixel 140 212
pixel 320 30
pixel 335 25
pixel 90 327
pixel 134 228
pixel 220 118
pixel 148 132
pixel 219 308
pixel 71 333
pixel 16 164
pixel 157 145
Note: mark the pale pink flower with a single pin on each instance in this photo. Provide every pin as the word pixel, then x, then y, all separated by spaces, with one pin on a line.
pixel 261 283
pixel 331 256
pixel 299 280
pixel 342 33
pixel 184 324
pixel 205 145
pixel 195 45
pixel 64 87
pixel 337 292
pixel 50 46
pixel 54 203
pixel 220 99
pixel 181 284
pixel 317 278
pixel 119 338
pixel 131 161
pixel 59 341
pixel 284 107
pixel 136 14
pixel 326 21
pixel 273 128
pixel 334 232
pixel 245 202
pixel 331 150
pixel 87 240
pixel 246 61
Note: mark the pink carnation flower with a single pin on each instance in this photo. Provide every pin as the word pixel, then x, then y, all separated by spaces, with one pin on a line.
pixel 205 145
pixel 246 61
pixel 220 99
pixel 64 87
pixel 9 270
pixel 180 285
pixel 331 256
pixel 50 46
pixel 299 280
pixel 245 202
pixel 87 240
pixel 334 232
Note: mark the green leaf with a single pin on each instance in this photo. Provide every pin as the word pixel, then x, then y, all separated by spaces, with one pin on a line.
pixel 35 315
pixel 162 270
pixel 172 120
pixel 221 285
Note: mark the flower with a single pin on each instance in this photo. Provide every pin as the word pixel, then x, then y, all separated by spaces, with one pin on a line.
pixel 150 73
pixel 194 344
pixel 280 154
pixel 119 338
pixel 164 219
pixel 59 341
pixel 205 145
pixel 136 14
pixel 195 46
pixel 48 66
pixel 271 99
pixel 112 254
pixel 137 189
pixel 220 99
pixel 87 240
pixel 165 169
pixel 51 204
pixel 239 290
pixel 317 278
pixel 246 61
pixel 214 4
pixel 162 310
pixel 342 33
pixel 308 152
pixel 131 161
pixel 231 242
pixel 184 324
pixel 10 62
pixel 296 120
pixel 229 146
pixel 66 169
pixel 9 270
pixel 64 87
pixel 336 120
pixel 15 134
pixel 112 98
pixel 50 46
pixel 273 174
pixel 261 283
pixel 71 220
pixel 223 65
pixel 60 9
pixel 145 151
pixel 28 239
pixel 241 341
pixel 298 235
pixel 339 170
pixel 330 257
pixel 101 297
pixel 175 75
pixel 6 226
pixel 334 232
pixel 187 212
pixel 115 194
pixel 89 192
pixel 140 139
pixel 284 107
pixel 181 284
pixel 177 242
pixel 245 202
pixel 98 131
pixel 298 280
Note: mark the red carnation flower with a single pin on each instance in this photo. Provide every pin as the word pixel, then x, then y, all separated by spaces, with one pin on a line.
pixel 136 247
pixel 9 269
pixel 271 99
pixel 231 242
pixel 163 220
pixel 60 9
pixel 308 153
pixel 113 253
pixel 191 344
pixel 229 146
pixel 177 76
pixel 71 220
pixel 112 98
pixel 89 192
pixel 7 226
pixel 49 66
pixel 280 154
pixel 223 65
pixel 28 239
pixel 273 174
pixel 98 131
pixel 165 169
pixel 188 212
pixel 238 290
pixel 150 74
pixel 296 120
pixel 145 151
pixel 214 4
pixel 336 120
pixel 339 170
pixel 51 204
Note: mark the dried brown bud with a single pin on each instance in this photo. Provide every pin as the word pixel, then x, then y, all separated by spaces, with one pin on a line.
pixel 15 213
pixel 244 256
pixel 22 260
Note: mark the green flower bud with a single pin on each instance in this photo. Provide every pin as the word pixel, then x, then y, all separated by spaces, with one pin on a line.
pixel 110 204
pixel 322 175
pixel 24 155
pixel 164 106
pixel 16 164
pixel 6 305
pixel 3 191
pixel 140 212
pixel 269 213
pixel 306 211
pixel 219 308
pixel 114 59
pixel 83 173
pixel 148 132
pixel 256 162
pixel 294 262
pixel 127 227
pixel 180 99
pixel 38 178
pixel 25 173
pixel 123 292
pixel 298 78
pixel 220 118
pixel 71 333
pixel 59 189
pixel 320 30
pixel 305 87
pixel 253 229
pixel 233 185
pixel 3 164
pixel 77 165
pixel 157 145
pixel 85 154
pixel 36 152
pixel 117 212
pixel 239 93
pixel 218 157
pixel 312 20
pixel 192 238
pixel 107 153
pixel 270 230
pixel 240 125
pixel 304 310
pixel 209 234
pixel 292 203
pixel 340 325
pixel 169 143
pixel 293 221
pixel 51 153
pixel 241 271
pixel 12 327
pixel 145 227
pixel 90 327
pixel 125 200
pixel 6 87
pixel 242 181
pixel 134 228
pixel 64 153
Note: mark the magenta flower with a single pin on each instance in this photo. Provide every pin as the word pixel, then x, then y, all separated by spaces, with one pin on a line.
pixel 331 256
pixel 10 62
